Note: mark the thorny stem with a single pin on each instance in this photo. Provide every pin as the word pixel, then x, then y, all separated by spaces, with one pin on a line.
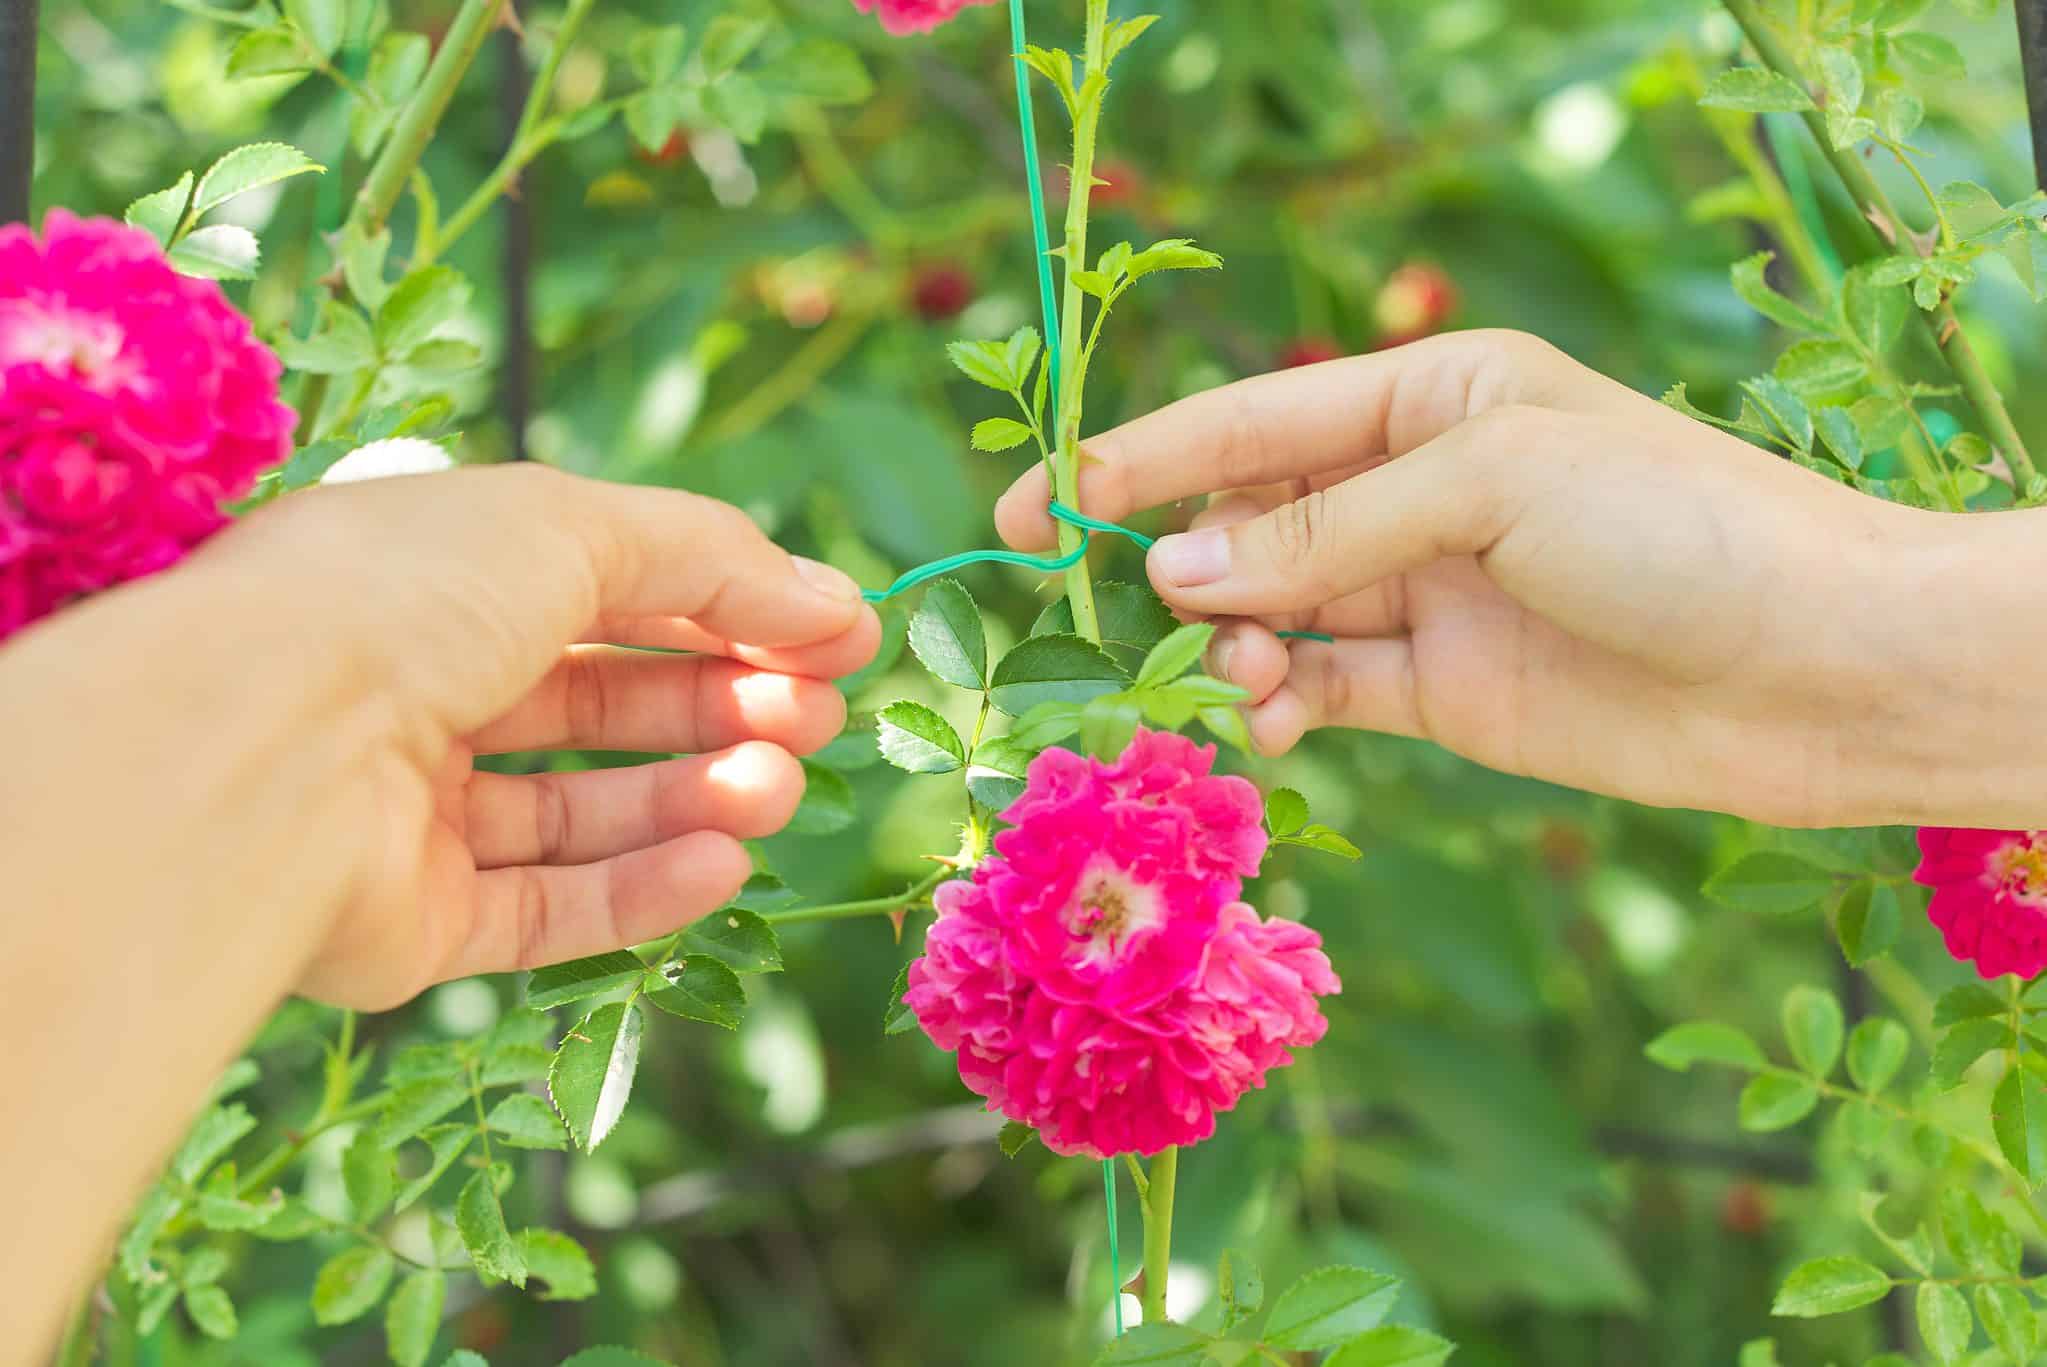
pixel 853 911
pixel 528 142
pixel 1158 1233
pixel 1949 338
pixel 386 182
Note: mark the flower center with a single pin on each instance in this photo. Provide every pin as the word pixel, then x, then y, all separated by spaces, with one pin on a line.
pixel 2021 867
pixel 1109 911
pixel 58 339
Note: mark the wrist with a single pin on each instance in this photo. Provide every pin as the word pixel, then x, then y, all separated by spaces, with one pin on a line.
pixel 1959 738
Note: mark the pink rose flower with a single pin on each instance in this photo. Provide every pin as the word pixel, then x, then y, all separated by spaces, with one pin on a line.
pixel 916 16
pixel 133 402
pixel 1989 896
pixel 1100 978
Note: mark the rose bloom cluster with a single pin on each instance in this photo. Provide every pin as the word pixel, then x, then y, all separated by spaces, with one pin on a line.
pixel 1989 896
pixel 916 16
pixel 134 401
pixel 1100 978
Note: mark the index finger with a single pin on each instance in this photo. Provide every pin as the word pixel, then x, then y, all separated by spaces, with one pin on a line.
pixel 1298 423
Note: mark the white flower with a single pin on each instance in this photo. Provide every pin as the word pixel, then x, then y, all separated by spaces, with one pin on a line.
pixel 383 459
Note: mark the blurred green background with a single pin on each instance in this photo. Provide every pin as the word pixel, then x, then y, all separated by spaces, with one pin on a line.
pixel 766 323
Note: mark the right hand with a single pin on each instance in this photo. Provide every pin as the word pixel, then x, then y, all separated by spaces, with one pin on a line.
pixel 1550 574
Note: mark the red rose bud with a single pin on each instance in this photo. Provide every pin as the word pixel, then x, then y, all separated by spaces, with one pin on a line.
pixel 1745 1209
pixel 1311 351
pixel 1414 303
pixel 941 291
pixel 670 152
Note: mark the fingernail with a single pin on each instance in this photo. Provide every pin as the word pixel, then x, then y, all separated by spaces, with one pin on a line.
pixel 1192 559
pixel 1219 657
pixel 826 580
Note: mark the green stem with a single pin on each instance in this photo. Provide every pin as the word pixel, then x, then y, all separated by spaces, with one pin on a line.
pixel 385 184
pixel 1080 589
pixel 1158 1233
pixel 853 911
pixel 1944 329
pixel 81 1336
pixel 528 142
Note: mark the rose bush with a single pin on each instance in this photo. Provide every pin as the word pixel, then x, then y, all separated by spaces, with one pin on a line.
pixel 755 226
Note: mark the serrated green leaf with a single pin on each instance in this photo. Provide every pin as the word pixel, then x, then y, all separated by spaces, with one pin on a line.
pixel 702 988
pixel 1045 669
pixel 445 1144
pixel 369 1172
pixel 1322 840
pixel 1875 314
pixel 1876 1051
pixel 1945 1324
pixel 481 1220
pixel 729 40
pixel 1173 254
pixel 161 214
pixel 1129 615
pixel 1790 420
pixel 1969 1001
pixel 1830 1286
pixel 593 1072
pixel 2018 1116
pixel 1915 1249
pixel 1015 1138
pixel 1000 434
pixel 1957 1050
pixel 1812 1028
pixel 1157 1345
pixel 1123 34
pixel 985 363
pixel 1756 90
pixel 1107 725
pixel 275 51
pixel 218 1129
pixel 1899 114
pixel 1175 655
pixel 1056 66
pixel 524 1121
pixel 248 168
pixel 340 344
pixel 1815 367
pixel 412 1319
pixel 321 21
pixel 2009 1319
pixel 1978 1238
pixel 1751 284
pixel 1776 1100
pixel 559 1261
pixel 899 1019
pixel 738 938
pixel 580 979
pixel 1286 811
pixel 1929 54
pixel 212 1310
pixel 1843 439
pixel 1769 882
pixel 948 638
pixel 828 805
pixel 1328 1306
pixel 1396 1345
pixel 1679 1047
pixel 351 1284
pixel 655 54
pixel 917 740
pixel 419 305
pixel 1241 1285
pixel 221 251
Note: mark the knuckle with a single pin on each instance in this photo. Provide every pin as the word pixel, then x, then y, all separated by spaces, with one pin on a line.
pixel 553 820
pixel 586 694
pixel 534 915
pixel 1300 530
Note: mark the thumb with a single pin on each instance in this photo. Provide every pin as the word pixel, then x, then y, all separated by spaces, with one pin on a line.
pixel 1454 496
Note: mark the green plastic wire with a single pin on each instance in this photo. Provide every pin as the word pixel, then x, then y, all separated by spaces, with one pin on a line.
pixel 1115 1263
pixel 1041 233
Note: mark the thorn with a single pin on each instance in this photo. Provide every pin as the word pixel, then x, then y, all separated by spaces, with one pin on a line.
pixel 897 918
pixel 1882 226
pixel 1948 329
pixel 1135 1286
pixel 508 17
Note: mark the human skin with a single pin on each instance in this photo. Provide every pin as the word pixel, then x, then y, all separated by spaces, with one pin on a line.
pixel 1553 575
pixel 250 776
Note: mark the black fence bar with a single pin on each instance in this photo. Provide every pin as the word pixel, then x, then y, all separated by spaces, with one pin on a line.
pixel 515 374
pixel 2033 48
pixel 17 106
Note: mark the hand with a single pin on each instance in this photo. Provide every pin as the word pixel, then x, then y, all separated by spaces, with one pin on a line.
pixel 459 602
pixel 1555 576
